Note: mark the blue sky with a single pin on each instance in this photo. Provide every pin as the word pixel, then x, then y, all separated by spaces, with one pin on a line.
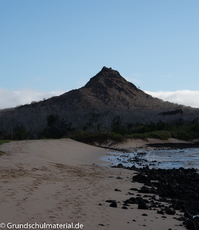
pixel 49 47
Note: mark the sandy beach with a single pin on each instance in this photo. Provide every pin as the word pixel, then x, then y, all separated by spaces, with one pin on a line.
pixel 63 181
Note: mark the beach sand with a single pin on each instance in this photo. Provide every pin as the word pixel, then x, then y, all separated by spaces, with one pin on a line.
pixel 63 181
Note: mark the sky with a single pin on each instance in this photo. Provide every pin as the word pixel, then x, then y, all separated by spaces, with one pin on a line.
pixel 49 47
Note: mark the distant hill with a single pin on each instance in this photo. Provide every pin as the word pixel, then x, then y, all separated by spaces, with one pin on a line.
pixel 106 100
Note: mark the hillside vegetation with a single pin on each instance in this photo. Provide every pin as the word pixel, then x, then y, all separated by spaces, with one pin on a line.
pixel 161 130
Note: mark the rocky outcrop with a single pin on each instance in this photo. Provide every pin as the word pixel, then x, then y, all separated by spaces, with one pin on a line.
pixel 167 191
pixel 174 112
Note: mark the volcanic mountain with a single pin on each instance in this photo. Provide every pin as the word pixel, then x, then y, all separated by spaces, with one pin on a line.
pixel 105 100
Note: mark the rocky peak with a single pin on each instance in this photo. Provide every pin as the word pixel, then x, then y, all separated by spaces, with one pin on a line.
pixel 109 78
pixel 109 72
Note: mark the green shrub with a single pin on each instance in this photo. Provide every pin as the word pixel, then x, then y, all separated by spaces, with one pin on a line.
pixel 21 134
pixel 182 135
pixel 99 138
pixel 1 153
pixel 163 134
pixel 142 136
pixel 186 132
pixel 4 141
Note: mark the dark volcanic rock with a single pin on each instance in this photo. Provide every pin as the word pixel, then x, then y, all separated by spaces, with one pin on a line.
pixel 110 201
pixel 113 204
pixel 170 211
pixel 145 189
pixel 180 187
pixel 175 145
pixel 160 212
pixel 117 190
pixel 120 178
pixel 141 178
pixel 142 205
pixel 190 224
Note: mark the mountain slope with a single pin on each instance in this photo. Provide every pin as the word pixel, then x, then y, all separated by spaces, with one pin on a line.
pixel 109 90
pixel 105 99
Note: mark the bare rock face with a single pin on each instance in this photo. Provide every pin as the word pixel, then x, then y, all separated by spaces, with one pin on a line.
pixel 108 78
pixel 109 87
pixel 107 98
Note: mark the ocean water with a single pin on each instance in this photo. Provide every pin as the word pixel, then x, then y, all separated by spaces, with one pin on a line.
pixel 165 159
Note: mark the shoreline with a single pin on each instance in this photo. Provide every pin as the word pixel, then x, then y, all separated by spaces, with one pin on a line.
pixel 178 187
pixel 58 181
pixel 152 143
